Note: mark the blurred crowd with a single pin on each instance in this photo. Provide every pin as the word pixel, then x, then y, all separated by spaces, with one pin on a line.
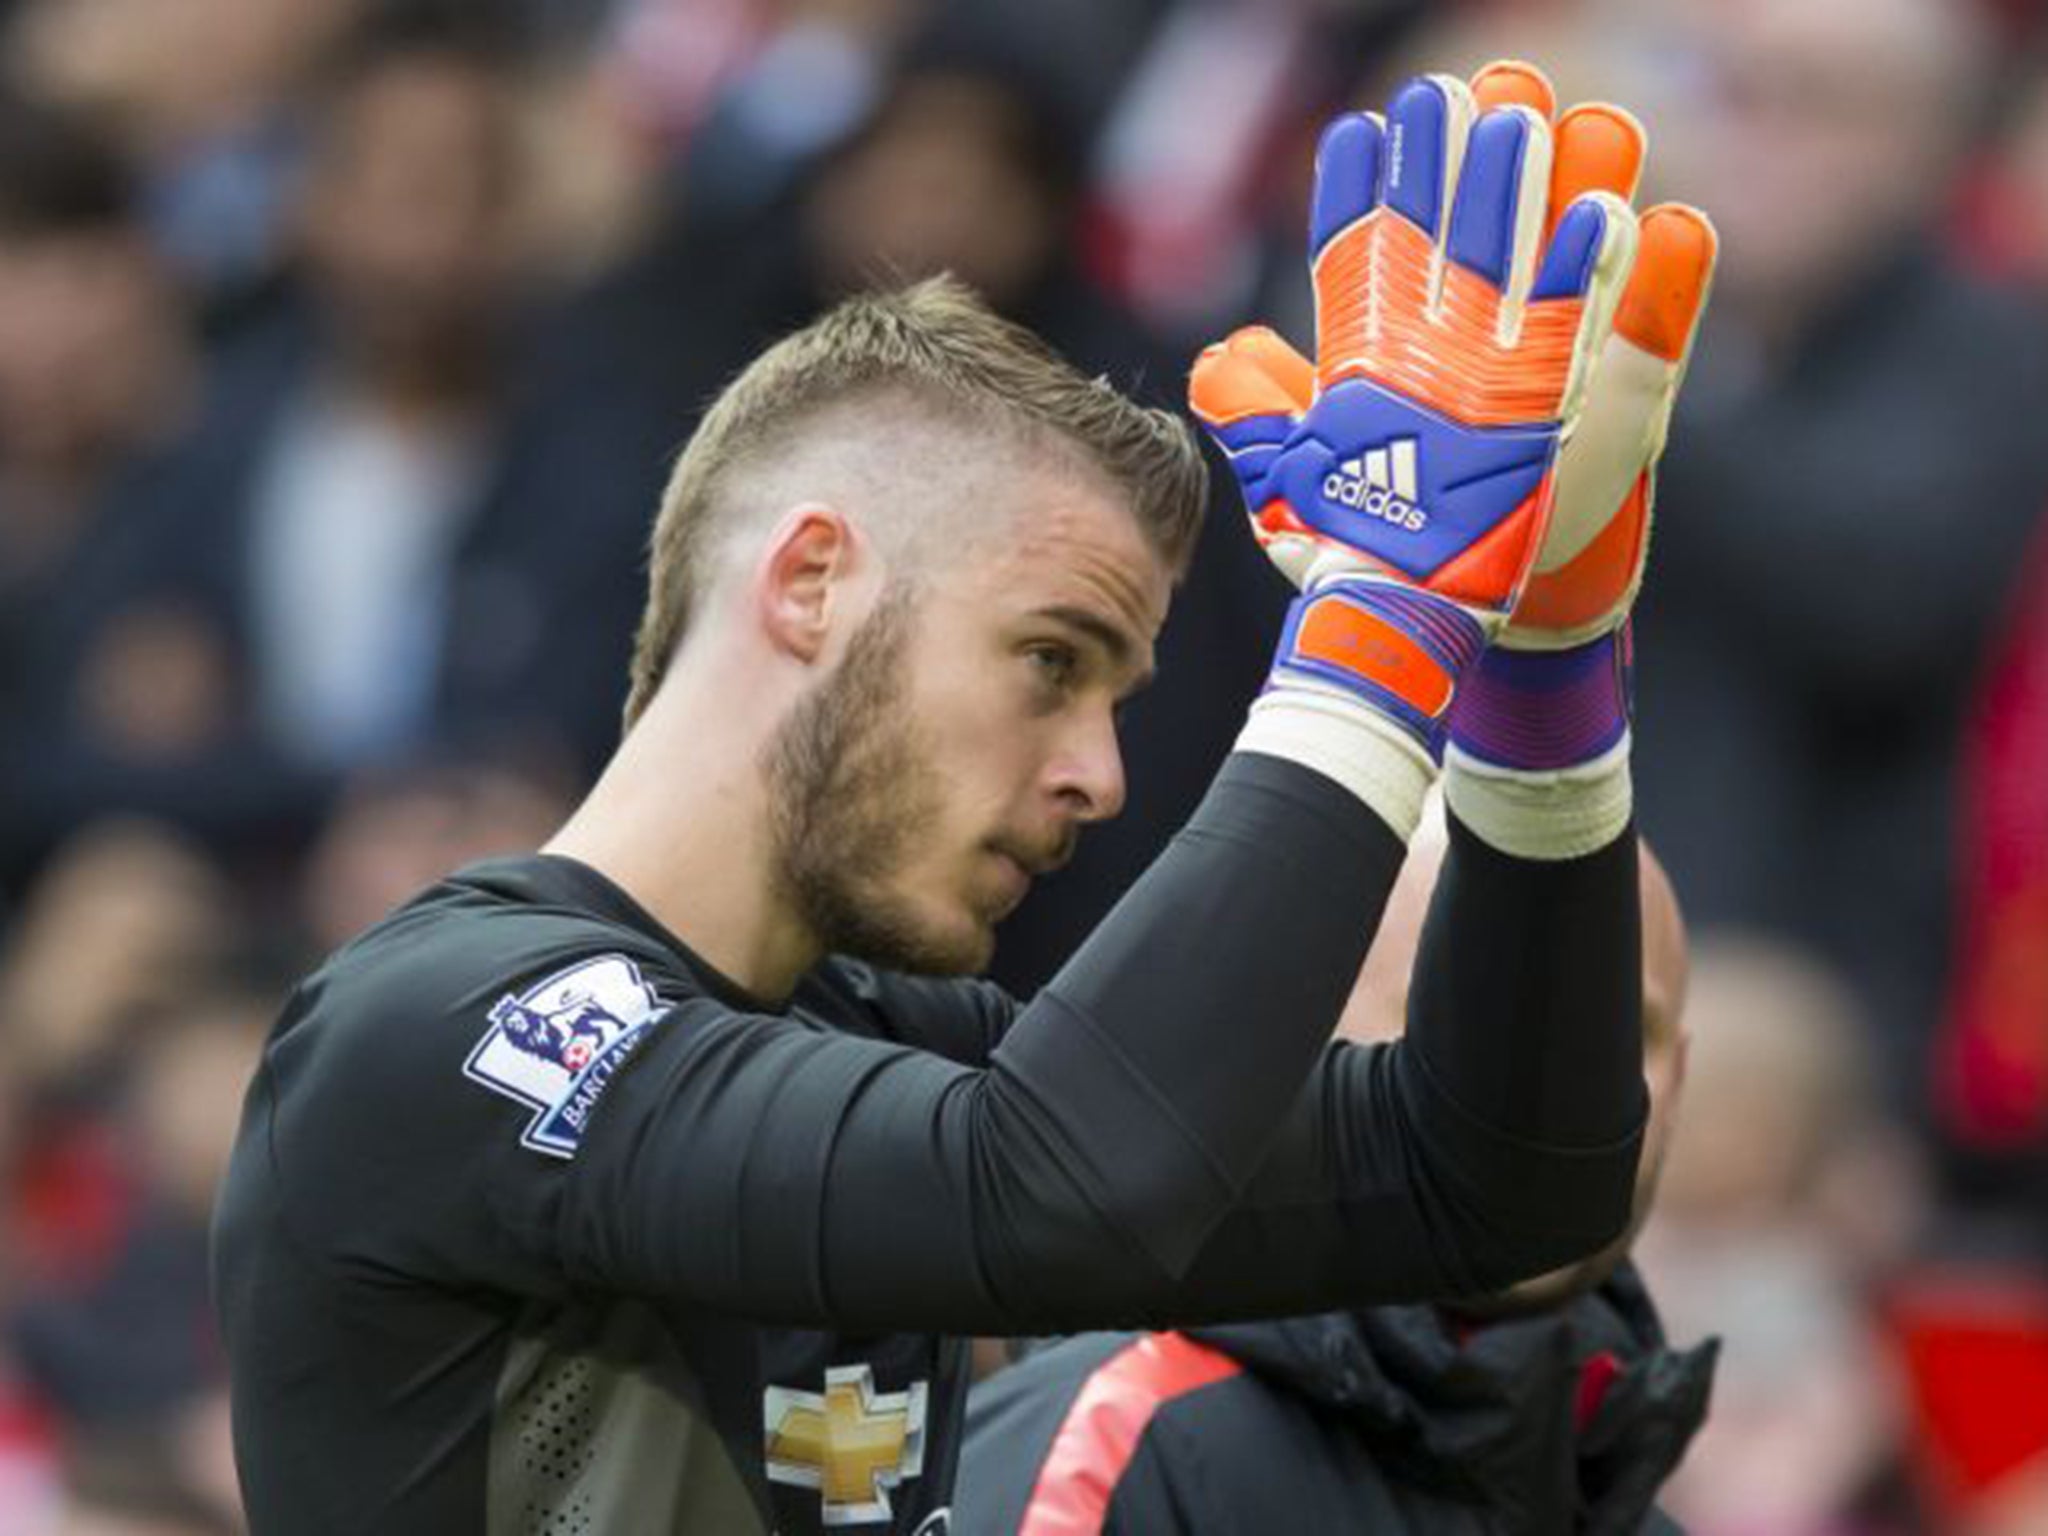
pixel 344 344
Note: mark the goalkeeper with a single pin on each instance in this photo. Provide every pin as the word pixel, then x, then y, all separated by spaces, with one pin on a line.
pixel 645 1184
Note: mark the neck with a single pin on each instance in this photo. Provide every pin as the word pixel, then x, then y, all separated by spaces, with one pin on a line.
pixel 680 822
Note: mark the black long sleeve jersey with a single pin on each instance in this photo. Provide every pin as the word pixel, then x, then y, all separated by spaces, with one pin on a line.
pixel 536 1224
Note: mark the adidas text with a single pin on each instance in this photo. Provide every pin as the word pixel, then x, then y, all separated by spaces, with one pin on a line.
pixel 1381 484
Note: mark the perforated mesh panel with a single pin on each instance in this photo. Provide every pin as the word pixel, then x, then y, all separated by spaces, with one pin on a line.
pixel 557 1441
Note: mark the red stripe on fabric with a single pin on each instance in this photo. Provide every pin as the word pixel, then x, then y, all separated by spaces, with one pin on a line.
pixel 1594 1380
pixel 1992 1054
pixel 1100 1433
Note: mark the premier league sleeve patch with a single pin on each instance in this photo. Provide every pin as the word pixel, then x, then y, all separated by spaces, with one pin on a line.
pixel 556 1046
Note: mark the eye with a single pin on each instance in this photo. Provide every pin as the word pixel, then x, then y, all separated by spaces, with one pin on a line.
pixel 1057 665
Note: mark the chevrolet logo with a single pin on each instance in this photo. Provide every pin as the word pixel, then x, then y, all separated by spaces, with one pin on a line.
pixel 853 1444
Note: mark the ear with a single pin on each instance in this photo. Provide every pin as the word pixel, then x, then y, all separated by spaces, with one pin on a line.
pixel 803 583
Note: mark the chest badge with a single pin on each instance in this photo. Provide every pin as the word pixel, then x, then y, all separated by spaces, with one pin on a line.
pixel 851 1443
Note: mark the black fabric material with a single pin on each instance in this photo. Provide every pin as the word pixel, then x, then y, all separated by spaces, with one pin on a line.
pixel 1371 1422
pixel 1519 1084
pixel 839 1179
pixel 1563 945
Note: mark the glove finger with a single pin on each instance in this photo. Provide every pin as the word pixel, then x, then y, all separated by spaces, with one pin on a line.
pixel 1497 223
pixel 1514 83
pixel 1589 258
pixel 1427 125
pixel 1347 179
pixel 1599 147
pixel 1251 375
pixel 1249 391
pixel 1586 236
pixel 1666 293
pixel 1275 356
pixel 1621 430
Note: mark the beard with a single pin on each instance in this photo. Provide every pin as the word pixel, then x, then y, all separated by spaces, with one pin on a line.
pixel 851 791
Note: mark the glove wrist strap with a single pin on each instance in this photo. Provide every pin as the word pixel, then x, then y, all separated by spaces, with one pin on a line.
pixel 1546 711
pixel 1398 651
pixel 1539 753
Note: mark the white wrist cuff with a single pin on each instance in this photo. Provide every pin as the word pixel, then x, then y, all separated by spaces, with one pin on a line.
pixel 1344 739
pixel 1562 813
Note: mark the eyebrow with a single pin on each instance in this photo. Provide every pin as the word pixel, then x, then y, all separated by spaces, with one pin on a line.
pixel 1122 652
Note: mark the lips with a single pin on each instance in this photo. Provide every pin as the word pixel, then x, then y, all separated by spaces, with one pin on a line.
pixel 1034 863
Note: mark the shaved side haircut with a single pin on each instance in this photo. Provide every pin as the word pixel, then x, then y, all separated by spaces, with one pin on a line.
pixel 894 399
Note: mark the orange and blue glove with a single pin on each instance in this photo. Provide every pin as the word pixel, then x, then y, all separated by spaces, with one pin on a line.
pixel 1541 521
pixel 1405 480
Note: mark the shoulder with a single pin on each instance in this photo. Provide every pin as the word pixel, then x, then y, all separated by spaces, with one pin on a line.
pixel 458 945
pixel 474 982
pixel 437 1075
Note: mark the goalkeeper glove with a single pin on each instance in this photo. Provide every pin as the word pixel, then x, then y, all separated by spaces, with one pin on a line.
pixel 1552 690
pixel 1407 496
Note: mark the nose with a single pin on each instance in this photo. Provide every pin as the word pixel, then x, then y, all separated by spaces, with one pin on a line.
pixel 1088 773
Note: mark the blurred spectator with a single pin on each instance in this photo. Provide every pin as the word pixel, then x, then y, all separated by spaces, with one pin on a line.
pixel 593 172
pixel 124 1342
pixel 785 90
pixel 127 1054
pixel 393 834
pixel 95 369
pixel 126 920
pixel 278 617
pixel 1787 1197
pixel 1207 151
pixel 1993 1059
pixel 93 361
pixel 203 96
pixel 1840 514
pixel 377 445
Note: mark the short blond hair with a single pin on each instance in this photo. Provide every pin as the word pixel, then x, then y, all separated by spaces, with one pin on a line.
pixel 938 344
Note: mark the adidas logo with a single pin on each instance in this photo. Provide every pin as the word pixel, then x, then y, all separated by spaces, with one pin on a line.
pixel 1380 483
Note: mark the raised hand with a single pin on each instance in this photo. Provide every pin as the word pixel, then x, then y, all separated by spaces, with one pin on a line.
pixel 1257 393
pixel 1454 341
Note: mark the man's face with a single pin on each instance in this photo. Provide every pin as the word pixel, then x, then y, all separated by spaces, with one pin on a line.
pixel 410 207
pixel 969 732
pixel 87 336
pixel 1821 132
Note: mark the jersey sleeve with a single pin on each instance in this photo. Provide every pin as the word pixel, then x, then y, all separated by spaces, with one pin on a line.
pixel 1117 1159
pixel 809 1177
pixel 1496 1139
pixel 598 1121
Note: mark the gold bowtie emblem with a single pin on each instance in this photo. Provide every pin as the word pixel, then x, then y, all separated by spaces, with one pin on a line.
pixel 852 1443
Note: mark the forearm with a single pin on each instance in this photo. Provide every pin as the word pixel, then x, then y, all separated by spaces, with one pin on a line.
pixel 1164 1057
pixel 1526 1006
pixel 1499 1139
